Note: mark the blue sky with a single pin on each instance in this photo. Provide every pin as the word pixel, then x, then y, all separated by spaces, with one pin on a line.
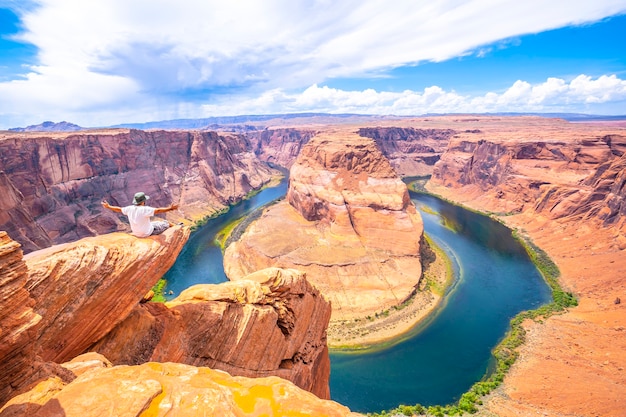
pixel 104 62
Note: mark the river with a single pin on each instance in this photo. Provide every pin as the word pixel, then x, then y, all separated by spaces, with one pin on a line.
pixel 440 359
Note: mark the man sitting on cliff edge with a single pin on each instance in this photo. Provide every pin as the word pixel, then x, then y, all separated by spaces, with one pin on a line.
pixel 139 216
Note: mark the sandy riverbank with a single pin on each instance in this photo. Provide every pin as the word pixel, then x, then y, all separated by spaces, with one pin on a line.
pixel 390 324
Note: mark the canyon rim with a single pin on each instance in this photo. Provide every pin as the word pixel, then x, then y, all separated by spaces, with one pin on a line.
pixel 560 184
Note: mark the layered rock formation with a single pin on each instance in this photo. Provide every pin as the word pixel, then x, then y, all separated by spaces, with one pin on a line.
pixel 53 183
pixel 348 222
pixel 561 185
pixel 557 173
pixel 170 389
pixel 84 289
pixel 57 302
pixel 272 323
pixel 19 324
pixel 279 146
pixel 411 151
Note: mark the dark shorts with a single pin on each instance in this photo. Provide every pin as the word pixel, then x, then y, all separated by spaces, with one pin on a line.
pixel 160 227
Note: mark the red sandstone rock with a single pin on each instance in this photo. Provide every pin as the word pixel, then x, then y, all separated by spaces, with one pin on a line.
pixel 560 184
pixel 574 172
pixel 168 389
pixel 411 151
pixel 348 222
pixel 53 183
pixel 83 289
pixel 280 146
pixel 271 323
pixel 18 322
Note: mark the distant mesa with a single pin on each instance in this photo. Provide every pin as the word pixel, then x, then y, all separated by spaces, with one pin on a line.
pixel 49 127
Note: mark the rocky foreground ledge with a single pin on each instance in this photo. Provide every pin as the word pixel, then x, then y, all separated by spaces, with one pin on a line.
pixel 56 303
pixel 165 389
pixel 272 323
pixel 86 296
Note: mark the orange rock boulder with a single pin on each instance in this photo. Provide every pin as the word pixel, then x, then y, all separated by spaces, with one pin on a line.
pixel 167 389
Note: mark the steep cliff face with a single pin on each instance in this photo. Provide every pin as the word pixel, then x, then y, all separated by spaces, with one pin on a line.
pixel 166 389
pixel 561 185
pixel 57 302
pixel 573 175
pixel 279 146
pixel 54 182
pixel 348 222
pixel 83 289
pixel 411 151
pixel 271 323
pixel 19 324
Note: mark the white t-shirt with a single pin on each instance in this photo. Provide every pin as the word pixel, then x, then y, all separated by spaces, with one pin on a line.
pixel 139 218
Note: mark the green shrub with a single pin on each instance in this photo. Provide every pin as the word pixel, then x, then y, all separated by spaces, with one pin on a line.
pixel 158 288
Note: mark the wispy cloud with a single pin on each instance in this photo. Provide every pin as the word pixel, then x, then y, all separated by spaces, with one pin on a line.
pixel 109 61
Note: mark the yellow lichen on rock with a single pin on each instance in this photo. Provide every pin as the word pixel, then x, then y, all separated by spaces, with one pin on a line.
pixel 170 389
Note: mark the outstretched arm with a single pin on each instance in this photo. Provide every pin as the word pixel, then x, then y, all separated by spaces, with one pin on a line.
pixel 165 209
pixel 106 205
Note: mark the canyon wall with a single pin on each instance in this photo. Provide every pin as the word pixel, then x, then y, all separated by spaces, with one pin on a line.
pixel 411 151
pixel 279 146
pixel 19 323
pixel 53 183
pixel 348 222
pixel 573 173
pixel 562 186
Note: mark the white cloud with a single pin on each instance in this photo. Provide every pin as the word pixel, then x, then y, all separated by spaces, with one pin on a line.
pixel 105 59
pixel 552 95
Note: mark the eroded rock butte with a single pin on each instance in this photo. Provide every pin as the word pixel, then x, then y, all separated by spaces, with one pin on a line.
pixel 348 222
